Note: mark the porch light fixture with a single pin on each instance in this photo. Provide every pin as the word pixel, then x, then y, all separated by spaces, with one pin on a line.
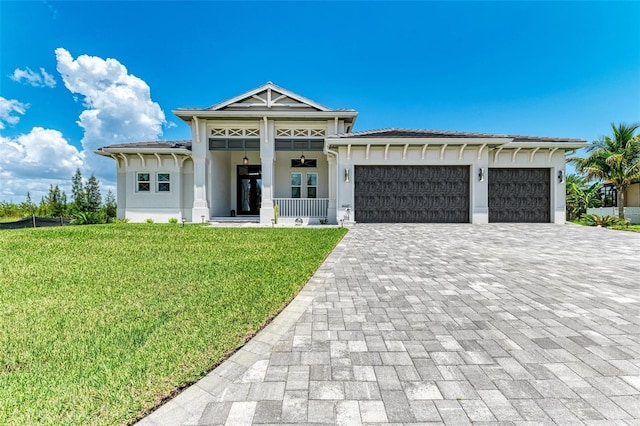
pixel 245 160
pixel 561 176
pixel 302 158
pixel 184 219
pixel 481 174
pixel 346 175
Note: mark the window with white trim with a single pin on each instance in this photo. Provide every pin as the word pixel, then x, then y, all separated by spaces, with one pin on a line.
pixel 296 185
pixel 143 182
pixel 312 185
pixel 164 182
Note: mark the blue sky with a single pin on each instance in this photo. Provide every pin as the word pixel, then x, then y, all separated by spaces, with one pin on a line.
pixel 535 68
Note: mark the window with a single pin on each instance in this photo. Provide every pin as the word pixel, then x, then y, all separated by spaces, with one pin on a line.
pixel 164 182
pixel 143 182
pixel 312 185
pixel 296 185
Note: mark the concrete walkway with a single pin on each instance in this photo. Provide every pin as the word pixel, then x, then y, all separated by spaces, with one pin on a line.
pixel 454 324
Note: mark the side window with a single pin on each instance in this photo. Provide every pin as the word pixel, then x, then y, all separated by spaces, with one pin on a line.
pixel 143 182
pixel 296 185
pixel 312 185
pixel 164 182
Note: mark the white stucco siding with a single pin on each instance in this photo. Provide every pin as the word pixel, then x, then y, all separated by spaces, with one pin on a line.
pixel 220 187
pixel 154 203
pixel 187 189
pixel 283 172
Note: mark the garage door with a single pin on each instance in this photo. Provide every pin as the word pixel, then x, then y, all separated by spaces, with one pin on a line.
pixel 405 194
pixel 519 195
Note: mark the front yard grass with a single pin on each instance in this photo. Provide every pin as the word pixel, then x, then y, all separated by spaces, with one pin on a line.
pixel 99 323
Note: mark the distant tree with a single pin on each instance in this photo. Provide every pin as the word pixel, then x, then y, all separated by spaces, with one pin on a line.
pixel 43 208
pixel 93 197
pixel 614 159
pixel 28 207
pixel 110 207
pixel 78 194
pixel 56 201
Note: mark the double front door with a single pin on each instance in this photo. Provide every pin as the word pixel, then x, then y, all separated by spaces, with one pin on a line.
pixel 249 189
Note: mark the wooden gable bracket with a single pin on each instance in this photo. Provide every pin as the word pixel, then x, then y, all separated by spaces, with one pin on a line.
pixel 386 151
pixel 404 151
pixel 144 163
pixel 495 156
pixel 175 159
pixel 482 147
pixel 159 159
pixel 349 152
pixel 442 151
pixel 117 160
pixel 513 157
pixel 366 155
pixel 533 154
pixel 424 149
pixel 461 151
pixel 126 160
pixel 551 151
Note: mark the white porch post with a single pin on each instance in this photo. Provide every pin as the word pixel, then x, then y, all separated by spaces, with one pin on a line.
pixel 267 158
pixel 332 212
pixel 199 157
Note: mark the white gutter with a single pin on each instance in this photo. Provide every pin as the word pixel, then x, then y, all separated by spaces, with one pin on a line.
pixel 335 154
pixel 107 151
pixel 418 141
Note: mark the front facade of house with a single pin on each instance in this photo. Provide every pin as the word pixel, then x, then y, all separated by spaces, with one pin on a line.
pixel 271 149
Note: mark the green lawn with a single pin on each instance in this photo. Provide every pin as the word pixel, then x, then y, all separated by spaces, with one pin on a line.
pixel 99 323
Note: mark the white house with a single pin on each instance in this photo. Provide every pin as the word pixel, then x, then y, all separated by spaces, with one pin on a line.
pixel 271 147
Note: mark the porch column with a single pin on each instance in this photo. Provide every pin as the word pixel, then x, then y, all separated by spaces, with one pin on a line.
pixel 199 157
pixel 332 213
pixel 267 158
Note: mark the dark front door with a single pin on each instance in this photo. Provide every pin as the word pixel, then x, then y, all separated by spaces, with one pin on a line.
pixel 249 190
pixel 519 195
pixel 411 194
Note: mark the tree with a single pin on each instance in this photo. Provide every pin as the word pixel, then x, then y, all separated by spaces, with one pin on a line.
pixel 77 192
pixel 92 193
pixel 28 206
pixel 56 201
pixel 110 206
pixel 614 159
pixel 581 195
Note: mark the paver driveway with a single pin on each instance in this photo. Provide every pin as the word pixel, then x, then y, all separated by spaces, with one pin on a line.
pixel 455 324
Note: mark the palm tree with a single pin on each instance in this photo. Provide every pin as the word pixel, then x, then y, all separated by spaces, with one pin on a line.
pixel 614 159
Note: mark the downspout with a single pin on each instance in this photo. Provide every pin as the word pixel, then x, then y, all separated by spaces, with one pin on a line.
pixel 335 154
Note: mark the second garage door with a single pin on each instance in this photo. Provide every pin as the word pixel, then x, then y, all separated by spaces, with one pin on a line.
pixel 519 195
pixel 406 194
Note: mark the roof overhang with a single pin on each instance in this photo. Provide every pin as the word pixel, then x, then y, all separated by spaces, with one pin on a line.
pixel 108 152
pixel 335 141
pixel 188 114
pixel 546 144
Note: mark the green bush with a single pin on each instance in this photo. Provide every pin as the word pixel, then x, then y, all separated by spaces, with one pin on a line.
pixel 149 220
pixel 87 218
pixel 118 221
pixel 173 220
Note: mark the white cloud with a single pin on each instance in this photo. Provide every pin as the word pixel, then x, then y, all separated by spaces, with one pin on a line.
pixel 118 105
pixel 27 76
pixel 7 108
pixel 33 161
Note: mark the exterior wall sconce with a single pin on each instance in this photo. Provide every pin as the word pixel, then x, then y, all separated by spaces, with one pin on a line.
pixel 245 160
pixel 561 176
pixel 346 175
pixel 302 158
pixel 481 174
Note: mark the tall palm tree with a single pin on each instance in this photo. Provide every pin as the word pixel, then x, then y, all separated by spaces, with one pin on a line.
pixel 581 195
pixel 614 159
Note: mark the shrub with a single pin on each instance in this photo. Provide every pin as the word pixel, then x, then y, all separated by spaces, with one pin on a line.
pixel 602 221
pixel 117 221
pixel 149 220
pixel 173 220
pixel 86 218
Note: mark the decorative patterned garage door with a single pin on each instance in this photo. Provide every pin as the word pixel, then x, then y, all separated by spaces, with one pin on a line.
pixel 405 194
pixel 519 195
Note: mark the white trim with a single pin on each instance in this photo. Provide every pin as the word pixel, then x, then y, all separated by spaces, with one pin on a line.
pixel 533 154
pixel 424 149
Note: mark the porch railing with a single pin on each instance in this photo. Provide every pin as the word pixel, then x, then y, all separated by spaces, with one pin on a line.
pixel 302 207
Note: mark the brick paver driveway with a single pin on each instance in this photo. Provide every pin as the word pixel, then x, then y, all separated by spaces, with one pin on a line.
pixel 455 324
